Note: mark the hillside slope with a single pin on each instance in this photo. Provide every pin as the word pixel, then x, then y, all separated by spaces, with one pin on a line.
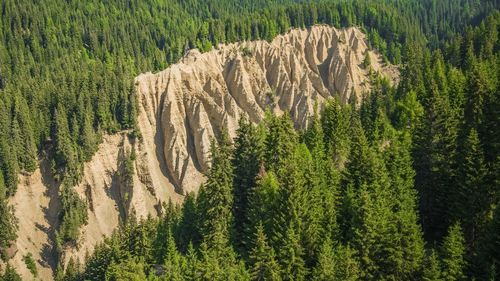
pixel 190 102
pixel 181 109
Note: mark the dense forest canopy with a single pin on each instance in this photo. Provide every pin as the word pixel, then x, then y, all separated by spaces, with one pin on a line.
pixel 403 188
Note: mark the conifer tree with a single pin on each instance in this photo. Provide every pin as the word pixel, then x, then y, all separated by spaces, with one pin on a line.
pixel 367 60
pixel 291 257
pixel 217 198
pixel 280 142
pixel 247 160
pixel 188 229
pixel 10 274
pixel 8 222
pixel 263 201
pixel 66 157
pixel 335 124
pixel 368 220
pixel 472 200
pixel 434 156
pixel 452 252
pixel 22 133
pixel 132 269
pixel 190 271
pixel 88 139
pixel 431 267
pixel 174 263
pixel 335 264
pixel 262 258
pixel 404 204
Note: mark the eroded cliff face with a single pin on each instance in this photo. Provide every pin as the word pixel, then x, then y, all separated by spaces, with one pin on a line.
pixel 181 109
pixel 37 204
pixel 188 104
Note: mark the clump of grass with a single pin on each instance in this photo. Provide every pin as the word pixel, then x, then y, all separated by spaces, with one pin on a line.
pixel 246 52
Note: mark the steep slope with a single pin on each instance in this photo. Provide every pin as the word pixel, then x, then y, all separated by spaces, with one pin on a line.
pixel 37 204
pixel 180 110
pixel 189 103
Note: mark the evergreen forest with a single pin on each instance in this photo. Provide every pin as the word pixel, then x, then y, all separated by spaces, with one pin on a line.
pixel 404 186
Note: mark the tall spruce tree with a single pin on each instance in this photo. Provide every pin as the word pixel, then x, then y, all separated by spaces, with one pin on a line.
pixel 432 267
pixel 472 200
pixel 216 200
pixel 263 200
pixel 410 246
pixel 335 263
pixel 453 254
pixel 280 142
pixel 291 257
pixel 262 258
pixel 335 120
pixel 247 160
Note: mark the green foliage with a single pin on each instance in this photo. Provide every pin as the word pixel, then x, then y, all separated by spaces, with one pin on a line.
pixel 262 259
pixel 336 263
pixel 30 264
pixel 216 198
pixel 247 160
pixel 10 274
pixel 132 269
pixel 8 222
pixel 367 62
pixel 73 215
pixel 291 257
pixel 350 198
pixel 453 251
pixel 432 268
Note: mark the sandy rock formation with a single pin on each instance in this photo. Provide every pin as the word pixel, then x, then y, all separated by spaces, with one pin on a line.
pixel 37 204
pixel 183 107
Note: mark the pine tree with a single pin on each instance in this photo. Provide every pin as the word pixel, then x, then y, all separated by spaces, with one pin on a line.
pixel 188 229
pixel 66 157
pixel 291 257
pixel 357 169
pixel 132 269
pixel 88 137
pixel 263 201
pixel 335 264
pixel 352 178
pixel 22 131
pixel 404 204
pixel 72 270
pixel 248 154
pixel 368 220
pixel 452 252
pixel 280 142
pixel 8 222
pixel 217 198
pixel 432 267
pixel 262 258
pixel 367 60
pixel 322 182
pixel 335 127
pixel 491 254
pixel 472 201
pixel 191 270
pixel 434 156
pixel 174 263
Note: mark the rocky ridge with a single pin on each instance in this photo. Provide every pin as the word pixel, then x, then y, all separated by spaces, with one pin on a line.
pixel 180 110
pixel 189 103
